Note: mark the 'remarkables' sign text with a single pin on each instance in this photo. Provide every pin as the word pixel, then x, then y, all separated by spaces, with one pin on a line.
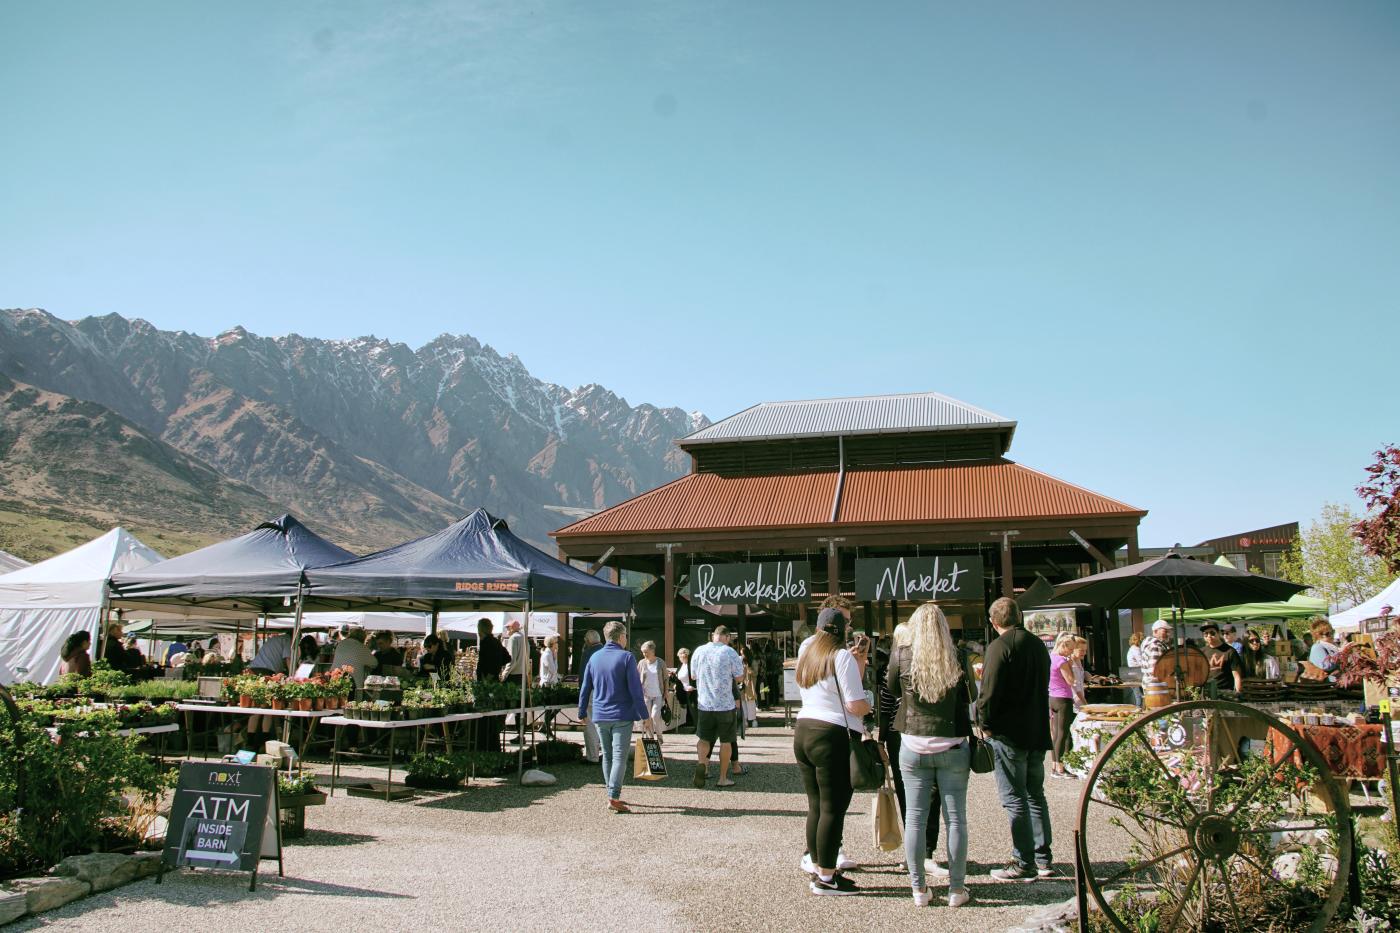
pixel 779 581
pixel 944 576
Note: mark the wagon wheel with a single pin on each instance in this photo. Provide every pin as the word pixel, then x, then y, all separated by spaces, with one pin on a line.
pixel 1215 842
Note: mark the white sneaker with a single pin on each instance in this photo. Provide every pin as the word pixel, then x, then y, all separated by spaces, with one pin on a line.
pixel 843 863
pixel 808 865
pixel 934 870
pixel 957 898
pixel 923 898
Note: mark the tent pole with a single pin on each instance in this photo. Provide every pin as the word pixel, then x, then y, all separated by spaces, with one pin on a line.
pixel 433 625
pixel 293 654
pixel 524 685
pixel 104 609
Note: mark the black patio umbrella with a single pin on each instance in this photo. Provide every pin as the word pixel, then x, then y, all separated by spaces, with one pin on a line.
pixel 1174 581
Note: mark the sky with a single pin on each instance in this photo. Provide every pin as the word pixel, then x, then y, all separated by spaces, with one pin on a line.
pixel 1164 238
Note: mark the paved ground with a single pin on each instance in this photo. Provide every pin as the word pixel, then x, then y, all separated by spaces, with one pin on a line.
pixel 499 857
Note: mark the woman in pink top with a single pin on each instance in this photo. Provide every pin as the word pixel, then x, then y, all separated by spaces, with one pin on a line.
pixel 1061 702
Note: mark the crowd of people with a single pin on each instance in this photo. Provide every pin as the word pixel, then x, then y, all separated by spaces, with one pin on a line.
pixel 931 719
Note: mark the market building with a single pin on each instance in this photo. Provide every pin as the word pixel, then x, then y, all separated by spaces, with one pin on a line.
pixel 890 500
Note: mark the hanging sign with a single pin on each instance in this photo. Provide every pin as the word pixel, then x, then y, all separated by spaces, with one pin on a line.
pixel 779 581
pixel 224 816
pixel 944 576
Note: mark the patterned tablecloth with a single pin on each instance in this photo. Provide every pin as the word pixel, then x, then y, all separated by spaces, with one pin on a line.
pixel 1350 751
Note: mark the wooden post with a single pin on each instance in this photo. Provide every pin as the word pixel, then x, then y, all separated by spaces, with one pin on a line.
pixel 833 569
pixel 1134 555
pixel 1008 582
pixel 669 605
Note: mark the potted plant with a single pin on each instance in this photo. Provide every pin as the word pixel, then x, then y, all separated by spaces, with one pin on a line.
pixel 436 771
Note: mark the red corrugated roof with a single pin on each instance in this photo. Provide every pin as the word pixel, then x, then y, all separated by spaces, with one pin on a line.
pixel 970 492
pixel 950 493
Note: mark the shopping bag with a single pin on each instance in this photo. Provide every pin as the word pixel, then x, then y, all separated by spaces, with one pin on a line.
pixel 647 762
pixel 886 826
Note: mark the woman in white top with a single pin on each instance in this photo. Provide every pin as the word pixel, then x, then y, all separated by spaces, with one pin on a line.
pixel 833 704
pixel 1133 662
pixel 688 694
pixel 654 686
pixel 549 662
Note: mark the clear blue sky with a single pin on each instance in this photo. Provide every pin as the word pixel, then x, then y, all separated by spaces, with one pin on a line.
pixel 1164 237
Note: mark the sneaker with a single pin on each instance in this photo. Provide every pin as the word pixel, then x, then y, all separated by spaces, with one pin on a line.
pixel 724 783
pixel 1014 872
pixel 838 886
pixel 808 865
pixel 1044 871
pixel 844 864
pixel 922 898
pixel 959 898
pixel 934 870
pixel 701 772
pixel 617 806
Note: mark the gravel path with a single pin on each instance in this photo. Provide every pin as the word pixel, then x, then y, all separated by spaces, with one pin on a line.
pixel 499 857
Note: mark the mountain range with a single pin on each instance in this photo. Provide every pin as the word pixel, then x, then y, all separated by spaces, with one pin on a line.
pixel 188 439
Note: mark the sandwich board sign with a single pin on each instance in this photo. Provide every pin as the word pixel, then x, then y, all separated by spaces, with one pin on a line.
pixel 224 816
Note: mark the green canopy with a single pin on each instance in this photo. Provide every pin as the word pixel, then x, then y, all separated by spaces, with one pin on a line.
pixel 1296 607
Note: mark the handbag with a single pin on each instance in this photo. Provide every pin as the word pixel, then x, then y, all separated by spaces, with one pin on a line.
pixel 647 762
pixel 983 760
pixel 887 828
pixel 867 767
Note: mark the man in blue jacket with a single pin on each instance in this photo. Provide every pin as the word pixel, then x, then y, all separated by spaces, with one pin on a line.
pixel 614 688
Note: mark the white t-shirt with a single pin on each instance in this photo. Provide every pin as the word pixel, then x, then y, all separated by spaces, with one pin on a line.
pixel 651 678
pixel 1134 656
pixel 821 701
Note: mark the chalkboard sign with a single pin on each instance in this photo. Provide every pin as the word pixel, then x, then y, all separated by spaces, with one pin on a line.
pixel 779 581
pixel 1376 626
pixel 943 576
pixel 223 816
pixel 656 764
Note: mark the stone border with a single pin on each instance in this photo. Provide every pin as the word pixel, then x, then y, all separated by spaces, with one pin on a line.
pixel 75 877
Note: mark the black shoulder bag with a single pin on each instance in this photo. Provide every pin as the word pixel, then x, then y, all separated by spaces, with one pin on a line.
pixel 983 759
pixel 867 766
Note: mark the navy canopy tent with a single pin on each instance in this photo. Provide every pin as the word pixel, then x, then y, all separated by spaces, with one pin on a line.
pixel 261 572
pixel 473 564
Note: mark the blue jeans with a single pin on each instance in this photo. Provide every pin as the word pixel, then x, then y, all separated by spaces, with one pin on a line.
pixel 947 771
pixel 1021 783
pixel 617 743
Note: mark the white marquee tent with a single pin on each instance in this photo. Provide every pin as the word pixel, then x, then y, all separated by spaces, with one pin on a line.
pixel 9 562
pixel 1370 609
pixel 41 605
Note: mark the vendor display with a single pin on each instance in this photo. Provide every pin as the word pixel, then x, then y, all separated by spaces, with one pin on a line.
pixel 1350 750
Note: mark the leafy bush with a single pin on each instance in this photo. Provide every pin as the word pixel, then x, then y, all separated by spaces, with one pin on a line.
pixel 432 769
pixel 554 752
pixel 61 795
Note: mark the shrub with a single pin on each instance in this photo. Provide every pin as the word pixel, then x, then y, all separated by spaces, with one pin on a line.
pixel 61 794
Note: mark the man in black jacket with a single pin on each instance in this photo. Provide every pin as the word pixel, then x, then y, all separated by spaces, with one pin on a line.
pixel 1014 709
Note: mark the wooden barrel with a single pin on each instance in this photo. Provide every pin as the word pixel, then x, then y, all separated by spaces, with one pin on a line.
pixel 1156 697
pixel 1194 666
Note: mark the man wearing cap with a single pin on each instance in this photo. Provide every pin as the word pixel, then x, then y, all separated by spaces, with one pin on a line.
pixel 1153 647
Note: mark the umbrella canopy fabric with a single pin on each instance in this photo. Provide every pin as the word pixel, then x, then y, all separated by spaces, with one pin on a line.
pixel 474 563
pixel 255 572
pixel 1296 606
pixel 1370 609
pixel 1174 581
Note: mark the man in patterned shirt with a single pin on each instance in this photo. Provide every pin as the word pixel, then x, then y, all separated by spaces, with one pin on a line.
pixel 1153 648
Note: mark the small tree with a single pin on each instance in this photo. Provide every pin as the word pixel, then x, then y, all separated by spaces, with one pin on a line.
pixel 1327 557
pixel 1379 532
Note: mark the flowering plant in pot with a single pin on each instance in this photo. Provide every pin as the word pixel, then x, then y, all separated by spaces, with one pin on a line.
pixel 277 691
pixel 301 694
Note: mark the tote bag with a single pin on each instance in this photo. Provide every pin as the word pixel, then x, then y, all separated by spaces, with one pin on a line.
pixel 983 760
pixel 647 763
pixel 887 828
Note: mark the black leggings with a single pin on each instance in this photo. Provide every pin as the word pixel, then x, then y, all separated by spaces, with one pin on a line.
pixel 824 755
pixel 1061 718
